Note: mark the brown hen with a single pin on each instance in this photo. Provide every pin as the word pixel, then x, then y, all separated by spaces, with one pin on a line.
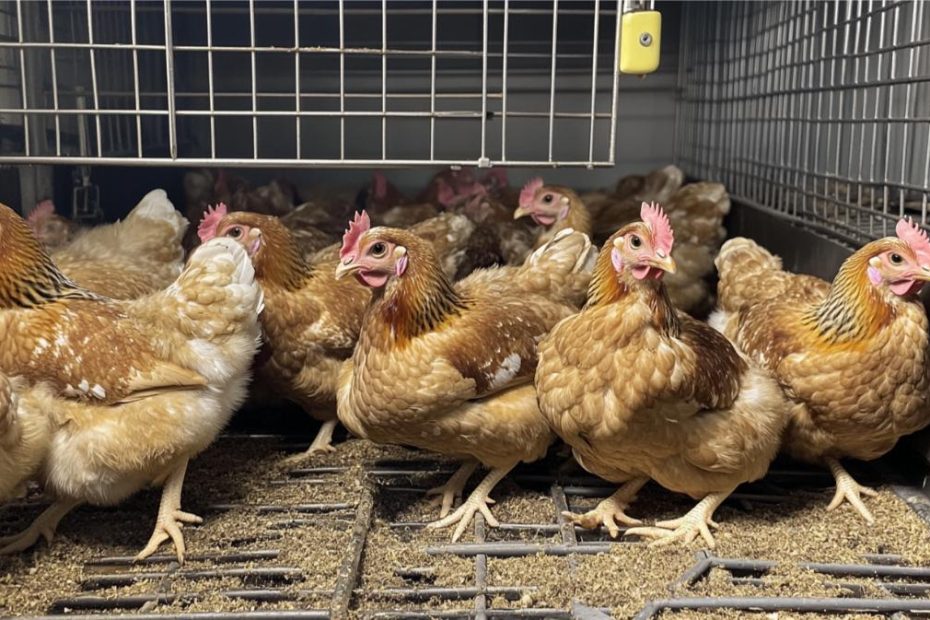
pixel 311 321
pixel 696 212
pixel 852 356
pixel 448 368
pixel 641 391
pixel 139 387
pixel 131 258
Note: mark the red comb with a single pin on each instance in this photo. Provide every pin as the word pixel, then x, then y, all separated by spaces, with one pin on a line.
pixel 357 227
pixel 529 191
pixel 662 235
pixel 379 183
pixel 915 237
pixel 210 222
pixel 42 210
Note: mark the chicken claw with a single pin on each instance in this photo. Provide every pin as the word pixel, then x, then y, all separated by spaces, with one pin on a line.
pixel 44 525
pixel 697 521
pixel 610 510
pixel 322 443
pixel 848 489
pixel 452 488
pixel 170 517
pixel 477 501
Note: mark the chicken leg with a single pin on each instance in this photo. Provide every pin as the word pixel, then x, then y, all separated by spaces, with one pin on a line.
pixel 477 501
pixel 44 525
pixel 170 516
pixel 848 489
pixel 610 510
pixel 452 488
pixel 687 527
pixel 322 443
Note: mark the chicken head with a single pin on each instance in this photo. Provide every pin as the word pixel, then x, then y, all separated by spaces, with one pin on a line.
pixel 901 265
pixel 370 257
pixel 645 248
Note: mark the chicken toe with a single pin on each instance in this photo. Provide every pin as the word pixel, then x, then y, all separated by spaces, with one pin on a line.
pixel 610 510
pixel 848 489
pixel 44 525
pixel 170 517
pixel 322 443
pixel 452 488
pixel 698 521
pixel 477 501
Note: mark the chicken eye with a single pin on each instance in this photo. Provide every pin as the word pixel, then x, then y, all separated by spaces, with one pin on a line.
pixel 547 198
pixel 635 241
pixel 896 259
pixel 234 232
pixel 378 250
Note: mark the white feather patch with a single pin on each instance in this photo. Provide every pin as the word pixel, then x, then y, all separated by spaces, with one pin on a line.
pixel 507 371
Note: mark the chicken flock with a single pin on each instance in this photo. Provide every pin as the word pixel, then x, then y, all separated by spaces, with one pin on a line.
pixel 474 320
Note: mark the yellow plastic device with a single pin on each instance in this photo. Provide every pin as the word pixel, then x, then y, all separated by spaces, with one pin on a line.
pixel 640 42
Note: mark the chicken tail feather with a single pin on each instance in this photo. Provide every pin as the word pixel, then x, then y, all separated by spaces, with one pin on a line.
pixel 561 269
pixel 743 267
pixel 215 295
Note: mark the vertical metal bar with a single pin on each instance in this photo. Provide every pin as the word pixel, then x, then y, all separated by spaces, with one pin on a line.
pixel 594 49
pixel 913 68
pixel 51 40
pixel 926 166
pixel 22 76
pixel 889 126
pixel 169 74
pixel 865 103
pixel 613 90
pixel 254 85
pixel 484 81
pixel 210 79
pixel 854 106
pixel 677 138
pixel 383 79
pixel 503 73
pixel 432 86
pixel 342 81
pixel 841 128
pixel 135 75
pixel 876 115
pixel 555 40
pixel 93 76
pixel 297 77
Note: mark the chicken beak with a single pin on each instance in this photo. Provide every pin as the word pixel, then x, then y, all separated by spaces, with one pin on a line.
pixel 665 263
pixel 922 274
pixel 344 269
pixel 520 212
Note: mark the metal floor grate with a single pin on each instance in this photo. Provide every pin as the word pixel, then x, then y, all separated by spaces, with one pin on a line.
pixel 255 570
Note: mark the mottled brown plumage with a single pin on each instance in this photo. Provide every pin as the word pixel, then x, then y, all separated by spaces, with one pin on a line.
pixel 851 356
pixel 446 367
pixel 640 390
pixel 131 258
pixel 696 212
pixel 311 320
pixel 134 388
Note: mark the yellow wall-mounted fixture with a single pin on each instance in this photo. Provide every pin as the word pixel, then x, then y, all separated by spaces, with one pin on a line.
pixel 640 42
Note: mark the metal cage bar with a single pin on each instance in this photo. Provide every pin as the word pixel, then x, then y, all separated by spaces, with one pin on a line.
pixel 810 110
pixel 167 84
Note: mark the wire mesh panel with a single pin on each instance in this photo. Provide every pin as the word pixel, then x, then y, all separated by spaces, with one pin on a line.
pixel 327 83
pixel 816 111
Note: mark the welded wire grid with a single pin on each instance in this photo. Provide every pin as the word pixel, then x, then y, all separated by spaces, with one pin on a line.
pixel 286 83
pixel 265 578
pixel 816 111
